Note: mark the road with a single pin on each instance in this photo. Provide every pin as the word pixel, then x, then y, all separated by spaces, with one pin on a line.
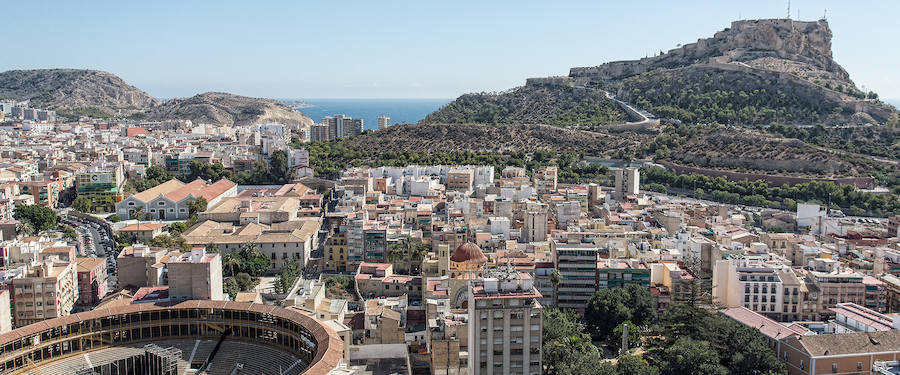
pixel 645 119
pixel 100 241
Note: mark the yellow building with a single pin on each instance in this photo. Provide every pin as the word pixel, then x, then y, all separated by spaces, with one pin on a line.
pixel 336 252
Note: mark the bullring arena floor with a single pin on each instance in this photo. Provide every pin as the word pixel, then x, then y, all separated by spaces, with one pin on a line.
pixel 234 358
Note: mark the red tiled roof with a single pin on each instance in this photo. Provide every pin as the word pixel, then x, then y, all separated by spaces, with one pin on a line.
pixel 136 131
pixel 766 326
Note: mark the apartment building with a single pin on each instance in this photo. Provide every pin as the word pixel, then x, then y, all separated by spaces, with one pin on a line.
pixel 577 265
pixel 535 228
pixel 627 182
pixel 841 285
pixel 336 252
pixel 375 280
pixel 45 193
pixel 140 265
pixel 504 324
pixel 92 280
pixel 195 275
pixel 460 179
pixel 614 273
pixel 383 122
pixel 754 285
pixel 340 126
pixel 47 290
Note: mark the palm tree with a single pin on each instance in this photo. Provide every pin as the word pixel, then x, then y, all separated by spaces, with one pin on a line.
pixel 394 253
pixel 232 260
pixel 554 279
pixel 418 253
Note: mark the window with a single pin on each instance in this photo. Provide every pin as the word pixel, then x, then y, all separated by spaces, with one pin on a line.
pixel 834 367
pixel 802 365
pixel 858 366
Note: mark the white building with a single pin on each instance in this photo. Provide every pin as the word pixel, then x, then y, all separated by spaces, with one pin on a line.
pixel 505 324
pixel 383 122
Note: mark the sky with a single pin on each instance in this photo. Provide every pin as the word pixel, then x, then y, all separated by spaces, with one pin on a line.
pixel 401 49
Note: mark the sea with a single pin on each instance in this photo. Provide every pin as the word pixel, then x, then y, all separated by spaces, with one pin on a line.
pixel 402 111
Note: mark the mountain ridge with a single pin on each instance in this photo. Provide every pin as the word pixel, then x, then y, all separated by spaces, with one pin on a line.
pixel 69 89
pixel 755 72
pixel 222 108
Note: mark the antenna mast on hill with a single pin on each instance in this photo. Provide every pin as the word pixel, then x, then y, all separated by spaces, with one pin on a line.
pixel 789 9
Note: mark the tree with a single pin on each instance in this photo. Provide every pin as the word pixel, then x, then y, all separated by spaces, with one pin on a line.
pixel 231 261
pixel 69 233
pixel 138 215
pixel 639 300
pixel 253 261
pixel 742 349
pixel 113 218
pixel 555 277
pixel 574 355
pixel 83 204
pixel 157 173
pixel 610 307
pixel 418 252
pixel 290 271
pixel 605 311
pixel 244 281
pixel 177 227
pixel 196 206
pixel 699 193
pixel 211 248
pixel 691 357
pixel 231 288
pixel 635 365
pixel 279 170
pixel 634 335
pixel 557 324
pixel 40 218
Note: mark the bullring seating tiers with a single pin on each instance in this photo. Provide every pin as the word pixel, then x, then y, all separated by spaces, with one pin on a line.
pixel 255 359
pixel 255 339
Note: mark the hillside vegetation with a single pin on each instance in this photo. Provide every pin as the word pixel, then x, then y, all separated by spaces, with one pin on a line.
pixel 711 95
pixel 532 104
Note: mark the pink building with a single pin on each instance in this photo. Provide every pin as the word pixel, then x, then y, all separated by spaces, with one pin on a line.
pixel 92 283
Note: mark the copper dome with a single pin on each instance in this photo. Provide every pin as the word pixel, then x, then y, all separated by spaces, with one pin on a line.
pixel 468 253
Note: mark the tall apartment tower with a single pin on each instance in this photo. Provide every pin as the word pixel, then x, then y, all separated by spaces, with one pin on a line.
pixel 627 182
pixel 196 275
pixel 340 126
pixel 535 223
pixel 504 324
pixel 383 122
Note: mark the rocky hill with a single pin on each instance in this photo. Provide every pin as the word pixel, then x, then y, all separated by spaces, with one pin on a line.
pixel 534 103
pixel 228 109
pixel 71 89
pixel 756 71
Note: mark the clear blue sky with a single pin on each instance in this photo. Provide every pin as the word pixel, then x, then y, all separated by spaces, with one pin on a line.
pixel 394 49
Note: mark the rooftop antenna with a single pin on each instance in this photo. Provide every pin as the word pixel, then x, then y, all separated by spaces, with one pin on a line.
pixel 789 9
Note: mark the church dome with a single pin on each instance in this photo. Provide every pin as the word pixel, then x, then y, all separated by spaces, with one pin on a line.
pixel 468 253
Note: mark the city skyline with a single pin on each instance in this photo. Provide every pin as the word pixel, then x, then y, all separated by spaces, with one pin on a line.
pixel 286 50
